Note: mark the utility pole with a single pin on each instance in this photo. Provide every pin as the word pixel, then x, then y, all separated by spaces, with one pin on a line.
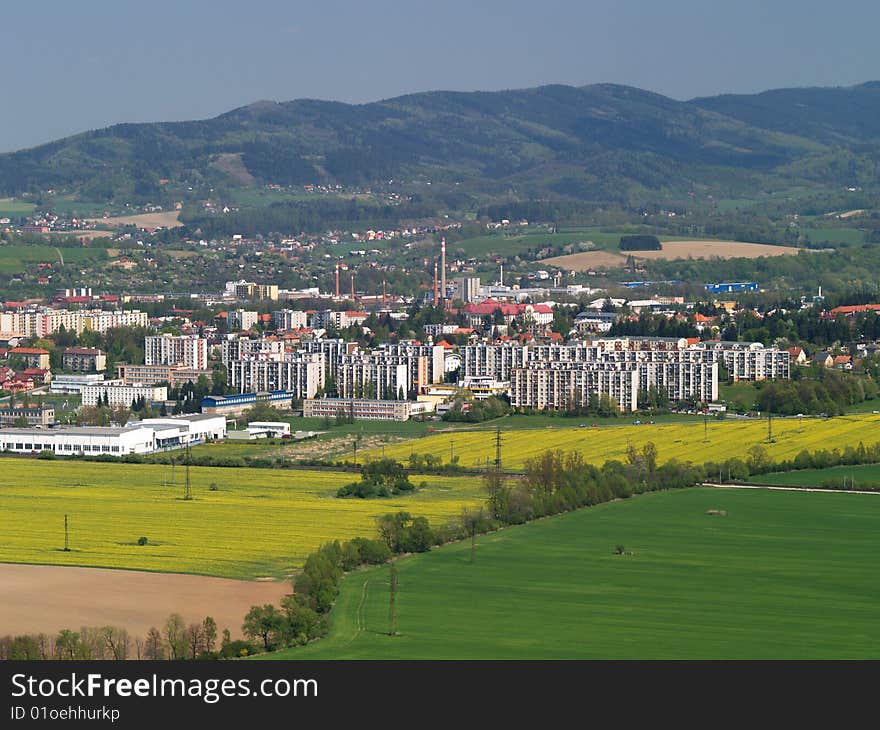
pixel 769 426
pixel 187 492
pixel 66 536
pixel 392 607
pixel 705 428
pixel 498 448
pixel 451 450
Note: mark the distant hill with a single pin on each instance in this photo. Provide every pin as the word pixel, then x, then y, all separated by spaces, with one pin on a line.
pixel 597 143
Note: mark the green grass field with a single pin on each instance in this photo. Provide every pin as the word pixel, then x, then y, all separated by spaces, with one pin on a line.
pixel 864 473
pixel 721 440
pixel 15 208
pixel 15 259
pixel 784 575
pixel 852 236
pixel 260 522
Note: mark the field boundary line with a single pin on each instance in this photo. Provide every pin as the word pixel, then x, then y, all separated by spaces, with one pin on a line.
pixel 780 487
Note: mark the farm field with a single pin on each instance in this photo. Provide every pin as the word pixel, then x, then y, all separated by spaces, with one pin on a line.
pixel 683 441
pixel 782 575
pixel 166 219
pixel 259 522
pixel 132 599
pixel 864 473
pixel 671 250
pixel 11 207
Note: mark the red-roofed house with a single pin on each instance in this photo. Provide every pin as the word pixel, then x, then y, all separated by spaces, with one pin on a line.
pixel 797 355
pixel 850 310
pixel 40 376
pixel 33 357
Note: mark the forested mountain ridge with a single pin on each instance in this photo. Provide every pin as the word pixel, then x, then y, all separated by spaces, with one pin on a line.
pixel 597 143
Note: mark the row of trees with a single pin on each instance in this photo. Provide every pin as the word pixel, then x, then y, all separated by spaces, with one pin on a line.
pixel 176 640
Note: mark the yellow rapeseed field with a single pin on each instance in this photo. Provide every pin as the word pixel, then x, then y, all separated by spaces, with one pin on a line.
pixel 683 441
pixel 258 522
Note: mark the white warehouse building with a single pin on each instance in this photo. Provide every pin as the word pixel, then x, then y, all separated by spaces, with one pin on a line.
pixel 136 437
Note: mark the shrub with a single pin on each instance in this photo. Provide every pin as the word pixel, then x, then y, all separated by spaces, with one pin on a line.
pixel 142 541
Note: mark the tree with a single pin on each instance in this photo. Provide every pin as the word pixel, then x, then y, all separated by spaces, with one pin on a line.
pixel 649 457
pixel 153 648
pixel 195 640
pixel 209 633
pixel 265 623
pixel 175 636
pixel 116 641
pixel 758 460
pixel 68 645
pixel 495 484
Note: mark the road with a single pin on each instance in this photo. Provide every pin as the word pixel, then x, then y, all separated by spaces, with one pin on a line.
pixel 786 489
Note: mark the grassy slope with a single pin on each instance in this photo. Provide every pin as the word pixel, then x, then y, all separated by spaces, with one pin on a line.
pixel 259 523
pixel 683 441
pixel 15 259
pixel 783 575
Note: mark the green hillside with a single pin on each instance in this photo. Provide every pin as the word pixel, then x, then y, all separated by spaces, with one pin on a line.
pixel 778 575
pixel 600 143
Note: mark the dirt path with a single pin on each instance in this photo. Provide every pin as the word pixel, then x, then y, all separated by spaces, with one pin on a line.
pixel 788 489
pixel 43 598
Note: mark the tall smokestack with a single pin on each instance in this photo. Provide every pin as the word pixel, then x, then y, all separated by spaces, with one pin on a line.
pixel 443 267
pixel 337 281
pixel 436 293
pixel 501 276
pixel 352 287
pixel 384 290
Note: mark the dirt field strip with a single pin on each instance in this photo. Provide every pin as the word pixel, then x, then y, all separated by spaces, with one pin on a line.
pixel 167 219
pixel 43 598
pixel 671 250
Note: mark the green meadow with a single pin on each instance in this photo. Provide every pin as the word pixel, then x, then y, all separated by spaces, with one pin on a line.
pixel 771 575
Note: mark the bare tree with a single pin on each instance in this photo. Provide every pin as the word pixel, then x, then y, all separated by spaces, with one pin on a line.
pixel 116 641
pixel 195 640
pixel 153 646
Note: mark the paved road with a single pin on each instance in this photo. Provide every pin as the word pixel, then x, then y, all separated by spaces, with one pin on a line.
pixel 787 489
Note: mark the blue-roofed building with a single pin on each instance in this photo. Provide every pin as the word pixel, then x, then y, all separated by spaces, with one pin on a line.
pixel 732 287
pixel 240 402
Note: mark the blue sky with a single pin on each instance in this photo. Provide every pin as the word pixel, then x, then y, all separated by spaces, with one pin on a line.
pixel 73 66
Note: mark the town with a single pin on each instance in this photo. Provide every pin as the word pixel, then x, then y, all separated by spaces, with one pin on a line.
pixel 532 349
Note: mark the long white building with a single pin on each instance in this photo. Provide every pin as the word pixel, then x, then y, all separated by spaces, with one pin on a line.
pixel 43 321
pixel 137 437
pixel 576 374
pixel 115 393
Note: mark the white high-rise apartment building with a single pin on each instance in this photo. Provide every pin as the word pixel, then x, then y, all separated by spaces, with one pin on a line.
pixel 188 350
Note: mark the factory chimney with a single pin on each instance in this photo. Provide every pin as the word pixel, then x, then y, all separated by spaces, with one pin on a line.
pixel 443 267
pixel 337 281
pixel 436 293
